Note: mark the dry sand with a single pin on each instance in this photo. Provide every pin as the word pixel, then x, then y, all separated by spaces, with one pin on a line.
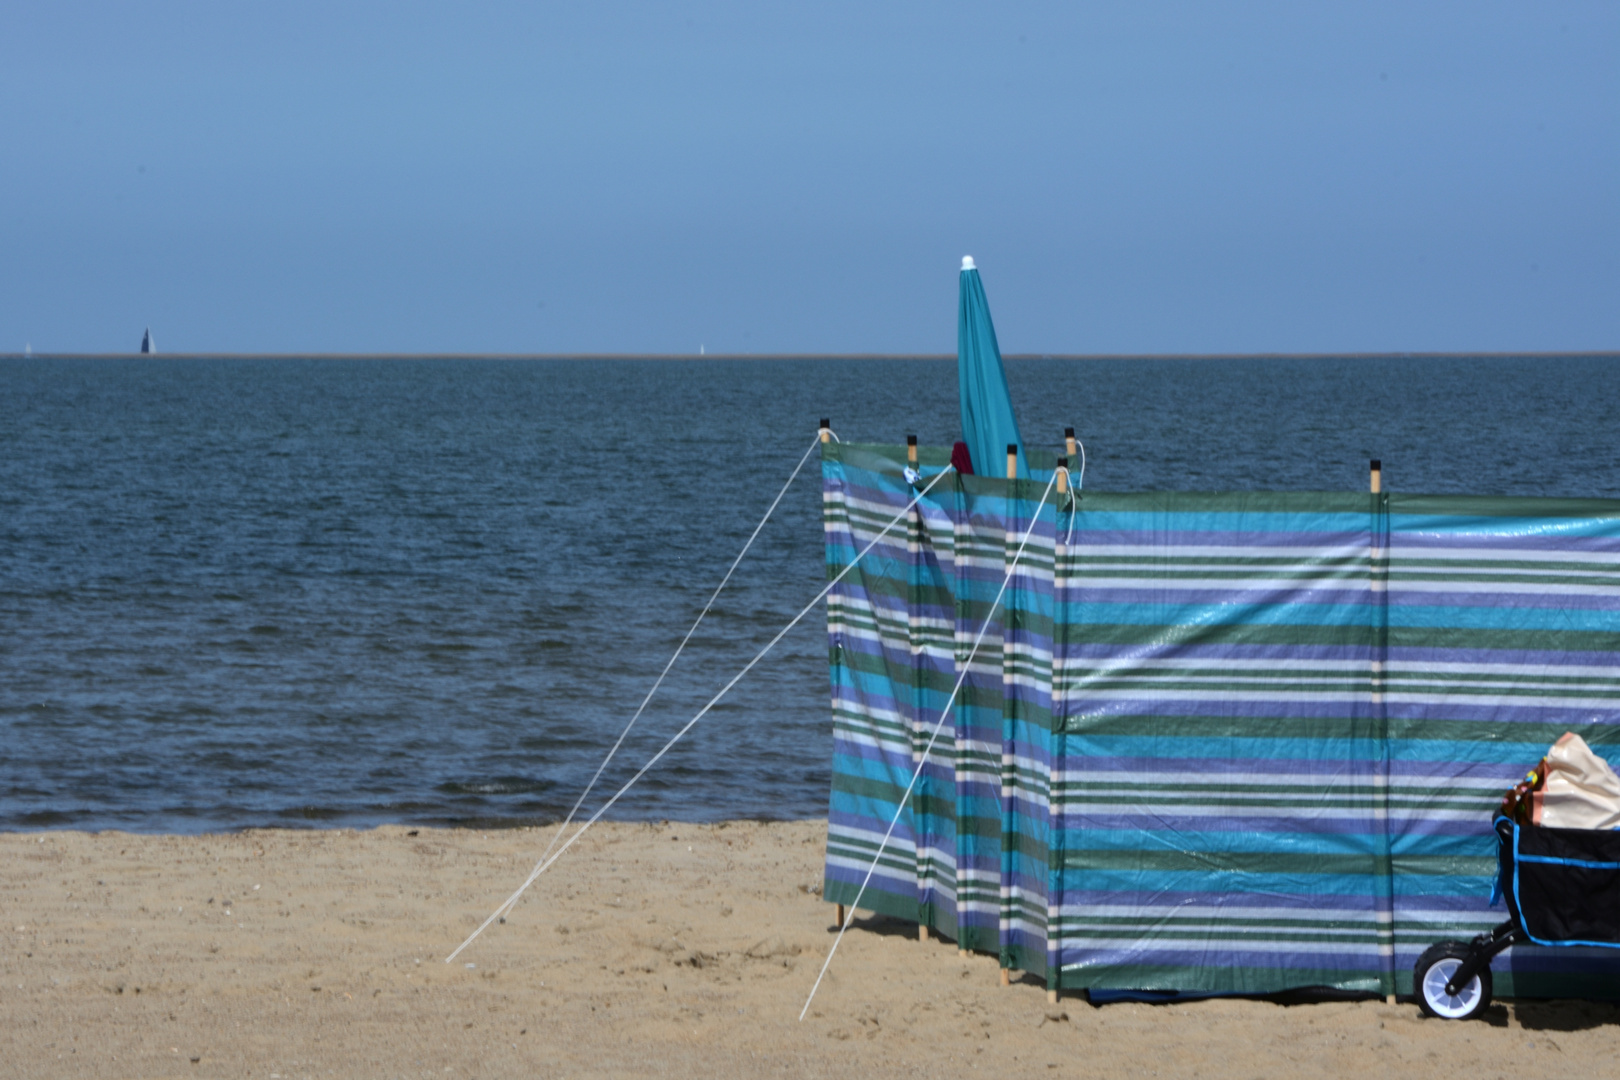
pixel 651 950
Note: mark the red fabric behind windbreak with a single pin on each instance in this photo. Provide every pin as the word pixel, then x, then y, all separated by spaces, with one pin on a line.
pixel 961 460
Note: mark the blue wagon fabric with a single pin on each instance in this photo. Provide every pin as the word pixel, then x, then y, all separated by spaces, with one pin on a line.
pixel 1229 743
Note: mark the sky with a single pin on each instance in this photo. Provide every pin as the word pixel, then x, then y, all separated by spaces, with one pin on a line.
pixel 761 177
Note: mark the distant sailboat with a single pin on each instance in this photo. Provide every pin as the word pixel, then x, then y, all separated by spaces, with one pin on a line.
pixel 146 342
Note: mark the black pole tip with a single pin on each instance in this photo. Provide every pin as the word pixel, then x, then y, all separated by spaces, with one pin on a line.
pixel 1012 448
pixel 1068 433
pixel 826 423
pixel 1377 465
pixel 1063 463
pixel 911 440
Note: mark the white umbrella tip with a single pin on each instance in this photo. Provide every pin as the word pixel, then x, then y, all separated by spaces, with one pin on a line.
pixel 967 262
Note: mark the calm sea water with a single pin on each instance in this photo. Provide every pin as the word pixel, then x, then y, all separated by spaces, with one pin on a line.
pixel 337 591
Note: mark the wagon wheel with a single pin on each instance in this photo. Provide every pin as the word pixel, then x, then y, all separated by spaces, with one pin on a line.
pixel 1435 968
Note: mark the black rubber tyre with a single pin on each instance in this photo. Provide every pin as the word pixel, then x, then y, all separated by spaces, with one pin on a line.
pixel 1429 977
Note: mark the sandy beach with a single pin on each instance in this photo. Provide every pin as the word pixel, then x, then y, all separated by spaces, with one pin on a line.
pixel 652 949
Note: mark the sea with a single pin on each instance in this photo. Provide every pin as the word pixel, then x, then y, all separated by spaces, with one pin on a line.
pixel 337 592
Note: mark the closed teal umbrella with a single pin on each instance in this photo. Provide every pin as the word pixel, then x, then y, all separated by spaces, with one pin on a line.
pixel 988 423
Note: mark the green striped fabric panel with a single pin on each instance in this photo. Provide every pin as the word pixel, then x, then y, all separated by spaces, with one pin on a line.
pixel 1217 761
pixel 1026 616
pixel 1503 633
pixel 981 554
pixel 1002 720
pixel 874 682
pixel 933 642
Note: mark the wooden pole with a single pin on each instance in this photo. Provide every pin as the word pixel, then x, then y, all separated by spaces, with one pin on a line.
pixel 1063 486
pixel 840 914
pixel 922 931
pixel 1376 485
pixel 1012 461
pixel 1006 977
pixel 911 450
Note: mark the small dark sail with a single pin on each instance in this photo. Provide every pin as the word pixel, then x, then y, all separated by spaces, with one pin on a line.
pixel 146 342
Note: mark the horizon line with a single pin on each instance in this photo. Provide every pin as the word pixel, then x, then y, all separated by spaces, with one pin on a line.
pixel 1353 355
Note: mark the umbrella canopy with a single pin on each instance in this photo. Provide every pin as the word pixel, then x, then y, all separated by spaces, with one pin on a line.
pixel 988 423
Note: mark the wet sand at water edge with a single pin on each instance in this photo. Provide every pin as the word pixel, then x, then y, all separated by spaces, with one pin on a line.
pixel 649 950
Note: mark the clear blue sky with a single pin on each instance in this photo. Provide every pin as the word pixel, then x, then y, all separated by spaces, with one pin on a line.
pixel 1134 177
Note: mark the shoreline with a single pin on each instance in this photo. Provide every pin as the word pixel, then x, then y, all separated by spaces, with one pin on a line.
pixel 1539 354
pixel 676 949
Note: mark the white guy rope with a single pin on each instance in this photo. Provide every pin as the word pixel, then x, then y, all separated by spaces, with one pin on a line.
pixel 592 820
pixel 939 726
pixel 1074 508
pixel 562 827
